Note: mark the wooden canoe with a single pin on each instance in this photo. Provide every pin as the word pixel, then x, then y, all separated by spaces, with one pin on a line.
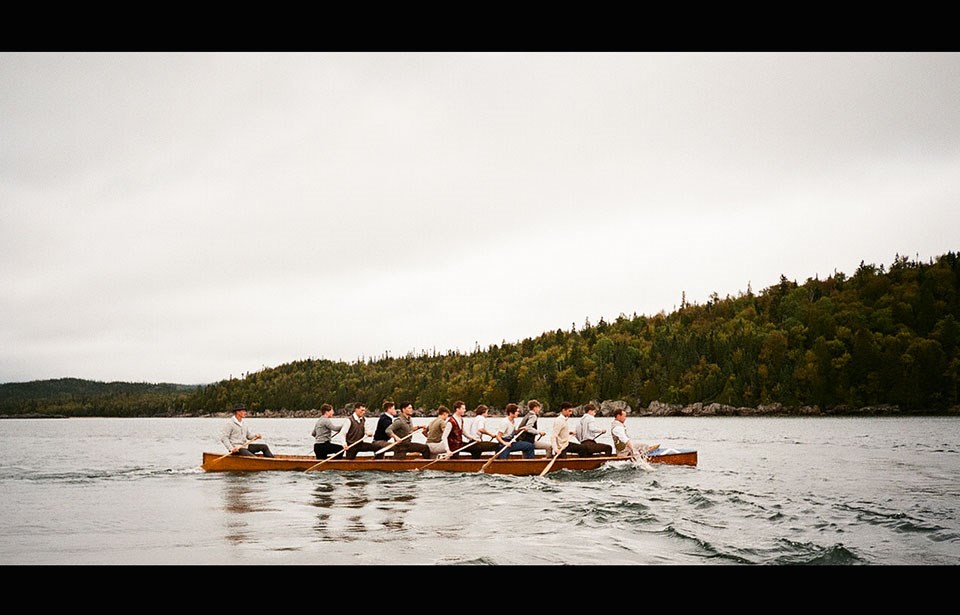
pixel 516 465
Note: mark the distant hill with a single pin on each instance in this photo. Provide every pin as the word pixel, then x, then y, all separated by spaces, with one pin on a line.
pixel 76 397
pixel 879 338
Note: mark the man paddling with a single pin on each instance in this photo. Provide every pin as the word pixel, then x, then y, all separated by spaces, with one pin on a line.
pixel 324 432
pixel 505 437
pixel 388 413
pixel 560 434
pixel 237 437
pixel 357 430
pixel 527 429
pixel 622 442
pixel 402 427
pixel 436 441
pixel 476 430
pixel 587 433
pixel 453 430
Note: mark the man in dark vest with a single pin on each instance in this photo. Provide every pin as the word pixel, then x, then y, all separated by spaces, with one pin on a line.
pixel 453 431
pixel 527 429
pixel 356 431
pixel 380 436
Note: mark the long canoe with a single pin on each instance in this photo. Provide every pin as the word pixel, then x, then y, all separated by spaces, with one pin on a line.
pixel 216 462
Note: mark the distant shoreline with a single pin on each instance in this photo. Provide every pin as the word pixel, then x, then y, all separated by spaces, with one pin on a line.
pixel 34 415
pixel 605 409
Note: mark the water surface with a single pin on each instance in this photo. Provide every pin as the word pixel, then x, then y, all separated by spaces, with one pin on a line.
pixel 817 490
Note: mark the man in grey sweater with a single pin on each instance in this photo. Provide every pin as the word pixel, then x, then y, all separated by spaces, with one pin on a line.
pixel 237 437
pixel 324 431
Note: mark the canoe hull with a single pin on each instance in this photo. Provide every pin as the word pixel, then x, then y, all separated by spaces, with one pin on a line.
pixel 214 462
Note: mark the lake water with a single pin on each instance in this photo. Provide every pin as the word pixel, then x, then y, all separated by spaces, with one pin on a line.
pixel 781 491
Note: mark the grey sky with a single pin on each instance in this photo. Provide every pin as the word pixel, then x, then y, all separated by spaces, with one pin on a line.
pixel 187 217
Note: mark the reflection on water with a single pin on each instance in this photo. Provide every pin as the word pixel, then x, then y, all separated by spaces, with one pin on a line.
pixel 356 494
pixel 322 495
pixel 241 497
pixel 351 507
pixel 236 499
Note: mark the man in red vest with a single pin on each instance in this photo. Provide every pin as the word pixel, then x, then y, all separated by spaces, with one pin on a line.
pixel 453 431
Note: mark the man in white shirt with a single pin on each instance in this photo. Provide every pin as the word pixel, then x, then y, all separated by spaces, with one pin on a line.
pixel 588 432
pixel 506 439
pixel 476 430
pixel 622 442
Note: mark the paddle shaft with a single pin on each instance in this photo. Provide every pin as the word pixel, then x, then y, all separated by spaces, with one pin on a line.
pixel 552 461
pixel 392 444
pixel 487 464
pixel 497 454
pixel 448 456
pixel 337 454
pixel 244 445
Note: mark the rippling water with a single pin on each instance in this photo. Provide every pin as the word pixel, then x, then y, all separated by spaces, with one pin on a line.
pixel 766 491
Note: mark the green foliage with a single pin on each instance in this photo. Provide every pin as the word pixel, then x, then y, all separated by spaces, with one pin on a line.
pixel 876 337
pixel 76 397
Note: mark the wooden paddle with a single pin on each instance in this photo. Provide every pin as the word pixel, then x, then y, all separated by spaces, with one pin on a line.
pixel 395 442
pixel 450 456
pixel 497 454
pixel 515 434
pixel 552 461
pixel 244 445
pixel 337 454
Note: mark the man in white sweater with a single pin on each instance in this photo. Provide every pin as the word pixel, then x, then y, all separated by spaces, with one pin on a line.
pixel 560 434
pixel 621 440
pixel 237 437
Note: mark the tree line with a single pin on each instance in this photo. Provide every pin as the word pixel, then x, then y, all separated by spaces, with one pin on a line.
pixel 78 397
pixel 879 336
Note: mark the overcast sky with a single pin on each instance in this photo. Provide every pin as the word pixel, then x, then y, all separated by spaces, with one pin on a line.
pixel 186 217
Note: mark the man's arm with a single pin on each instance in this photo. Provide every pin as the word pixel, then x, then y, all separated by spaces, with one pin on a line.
pixel 225 437
pixel 390 433
pixel 447 428
pixel 558 427
pixel 595 432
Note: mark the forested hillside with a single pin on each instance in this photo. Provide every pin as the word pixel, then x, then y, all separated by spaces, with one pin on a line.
pixel 76 397
pixel 879 336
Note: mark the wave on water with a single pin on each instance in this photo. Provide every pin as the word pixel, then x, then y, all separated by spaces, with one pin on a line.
pixel 699 500
pixel 611 469
pixel 898 520
pixel 810 554
pixel 476 561
pixel 709 551
pixel 625 511
pixel 945 536
pixel 80 476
